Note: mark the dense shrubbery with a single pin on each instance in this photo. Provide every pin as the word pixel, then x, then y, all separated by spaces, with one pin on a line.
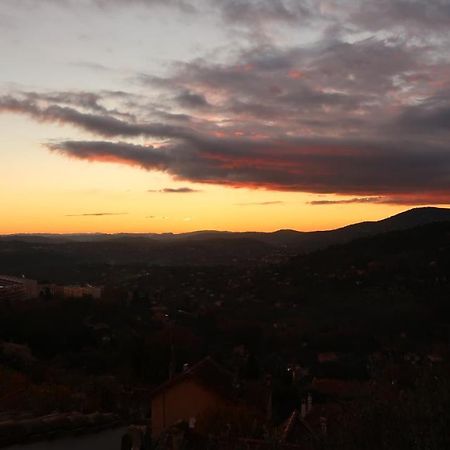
pixel 412 419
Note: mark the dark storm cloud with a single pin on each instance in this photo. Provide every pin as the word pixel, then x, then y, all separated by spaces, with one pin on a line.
pixel 419 18
pixel 425 118
pixel 257 12
pixel 408 14
pixel 191 100
pixel 304 125
pixel 101 124
pixel 122 152
pixel 299 86
pixel 297 165
pixel 88 101
pixel 362 117
pixel 418 199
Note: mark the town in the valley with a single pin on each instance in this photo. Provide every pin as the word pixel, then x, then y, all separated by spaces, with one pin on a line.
pixel 286 355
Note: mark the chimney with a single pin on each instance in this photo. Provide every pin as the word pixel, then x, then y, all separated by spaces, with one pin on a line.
pixel 303 410
pixel 323 426
pixel 309 403
pixel 269 397
pixel 297 373
pixel 186 367
pixel 172 363
pixel 236 383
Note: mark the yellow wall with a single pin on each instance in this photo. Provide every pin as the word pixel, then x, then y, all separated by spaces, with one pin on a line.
pixel 181 402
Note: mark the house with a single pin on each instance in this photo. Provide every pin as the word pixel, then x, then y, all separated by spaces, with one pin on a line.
pixel 76 291
pixel 197 391
pixel 201 391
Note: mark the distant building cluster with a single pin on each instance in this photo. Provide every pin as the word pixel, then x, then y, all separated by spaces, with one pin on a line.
pixel 15 288
pixel 76 291
pixel 21 288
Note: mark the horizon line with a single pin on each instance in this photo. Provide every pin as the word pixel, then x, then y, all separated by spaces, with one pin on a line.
pixel 92 233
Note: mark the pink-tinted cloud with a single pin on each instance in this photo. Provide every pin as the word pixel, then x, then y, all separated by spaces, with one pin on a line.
pixel 364 117
pixel 308 166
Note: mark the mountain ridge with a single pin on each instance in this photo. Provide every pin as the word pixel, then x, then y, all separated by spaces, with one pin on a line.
pixel 304 240
pixel 72 260
pixel 406 219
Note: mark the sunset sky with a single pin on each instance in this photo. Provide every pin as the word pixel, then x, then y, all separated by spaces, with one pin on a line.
pixel 179 115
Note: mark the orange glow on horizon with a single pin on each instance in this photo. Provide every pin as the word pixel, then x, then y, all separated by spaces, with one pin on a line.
pixel 49 193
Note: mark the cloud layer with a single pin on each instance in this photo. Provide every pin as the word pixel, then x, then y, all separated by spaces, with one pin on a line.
pixel 362 110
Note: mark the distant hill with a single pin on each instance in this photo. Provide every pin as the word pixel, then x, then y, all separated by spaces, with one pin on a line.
pixel 413 261
pixel 407 219
pixel 301 240
pixel 39 254
pixel 74 261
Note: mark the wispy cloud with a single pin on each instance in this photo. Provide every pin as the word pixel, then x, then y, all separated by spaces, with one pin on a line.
pixel 367 118
pixel 347 201
pixel 180 190
pixel 97 214
pixel 411 200
pixel 268 203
